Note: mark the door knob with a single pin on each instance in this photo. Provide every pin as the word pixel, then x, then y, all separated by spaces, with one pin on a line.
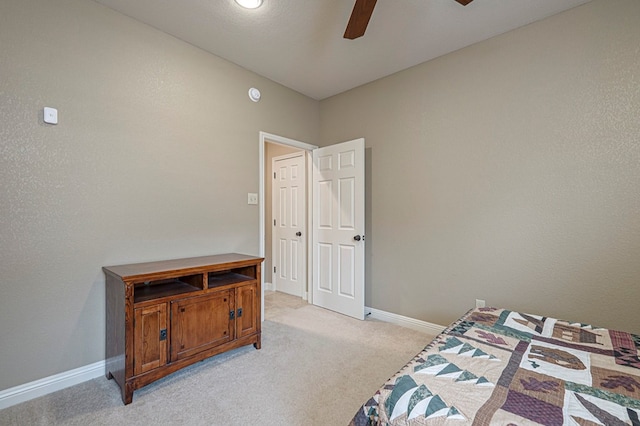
pixel 298 234
pixel 357 238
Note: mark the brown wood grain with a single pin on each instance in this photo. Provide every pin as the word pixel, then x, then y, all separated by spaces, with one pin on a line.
pixel 199 293
pixel 149 351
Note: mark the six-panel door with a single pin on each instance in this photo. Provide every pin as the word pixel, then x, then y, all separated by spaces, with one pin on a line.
pixel 289 231
pixel 338 228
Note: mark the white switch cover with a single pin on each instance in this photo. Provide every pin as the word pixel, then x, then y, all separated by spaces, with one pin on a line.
pixel 50 115
pixel 252 198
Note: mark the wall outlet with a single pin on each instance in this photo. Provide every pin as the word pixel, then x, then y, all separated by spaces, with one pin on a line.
pixel 480 303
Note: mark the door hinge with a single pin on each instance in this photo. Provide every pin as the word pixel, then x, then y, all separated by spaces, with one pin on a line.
pixel 274 175
pixel 274 269
pixel 274 222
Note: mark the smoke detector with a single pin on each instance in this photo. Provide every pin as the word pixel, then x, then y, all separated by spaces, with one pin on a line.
pixel 254 94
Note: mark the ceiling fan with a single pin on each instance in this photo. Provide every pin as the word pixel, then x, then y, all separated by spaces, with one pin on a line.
pixel 361 14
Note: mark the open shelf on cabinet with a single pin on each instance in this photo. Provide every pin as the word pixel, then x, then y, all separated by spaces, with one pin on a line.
pixel 218 279
pixel 151 290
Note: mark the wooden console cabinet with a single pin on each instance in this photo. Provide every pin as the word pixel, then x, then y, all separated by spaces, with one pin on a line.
pixel 163 316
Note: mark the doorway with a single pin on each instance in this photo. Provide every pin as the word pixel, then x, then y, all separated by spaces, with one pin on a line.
pixel 271 146
pixel 335 244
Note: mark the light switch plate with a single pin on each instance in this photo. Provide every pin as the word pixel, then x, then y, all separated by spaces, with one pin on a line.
pixel 50 115
pixel 252 198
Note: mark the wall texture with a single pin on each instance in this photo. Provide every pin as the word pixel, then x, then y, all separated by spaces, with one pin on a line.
pixel 507 171
pixel 153 157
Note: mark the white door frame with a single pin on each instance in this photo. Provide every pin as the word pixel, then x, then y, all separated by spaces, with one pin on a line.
pixel 263 139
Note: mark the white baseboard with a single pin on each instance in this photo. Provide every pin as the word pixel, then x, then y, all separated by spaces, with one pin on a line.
pixel 414 324
pixel 268 286
pixel 31 390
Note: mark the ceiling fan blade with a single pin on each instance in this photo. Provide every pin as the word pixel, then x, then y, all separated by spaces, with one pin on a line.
pixel 359 20
pixel 464 2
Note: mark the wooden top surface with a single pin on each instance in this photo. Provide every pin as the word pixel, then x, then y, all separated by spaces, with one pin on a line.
pixel 186 265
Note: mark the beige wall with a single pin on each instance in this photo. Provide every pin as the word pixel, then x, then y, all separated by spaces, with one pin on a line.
pixel 155 152
pixel 507 171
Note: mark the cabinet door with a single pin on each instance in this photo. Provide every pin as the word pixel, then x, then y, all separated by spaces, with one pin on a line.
pixel 150 338
pixel 200 323
pixel 247 310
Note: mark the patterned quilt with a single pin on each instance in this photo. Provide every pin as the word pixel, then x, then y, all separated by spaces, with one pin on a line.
pixel 498 367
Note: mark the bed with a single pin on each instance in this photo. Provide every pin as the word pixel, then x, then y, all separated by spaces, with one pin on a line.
pixel 499 367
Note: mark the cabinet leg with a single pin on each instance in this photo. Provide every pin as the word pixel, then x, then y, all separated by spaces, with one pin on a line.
pixel 109 375
pixel 127 394
pixel 258 343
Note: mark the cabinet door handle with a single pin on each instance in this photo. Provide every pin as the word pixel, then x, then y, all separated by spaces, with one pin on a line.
pixel 239 312
pixel 232 315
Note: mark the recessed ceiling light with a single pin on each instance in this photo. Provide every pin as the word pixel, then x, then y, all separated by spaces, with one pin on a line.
pixel 249 4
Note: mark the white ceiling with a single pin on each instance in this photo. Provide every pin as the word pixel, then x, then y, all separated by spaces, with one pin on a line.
pixel 299 44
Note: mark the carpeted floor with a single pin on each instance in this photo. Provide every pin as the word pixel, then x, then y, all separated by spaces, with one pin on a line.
pixel 315 367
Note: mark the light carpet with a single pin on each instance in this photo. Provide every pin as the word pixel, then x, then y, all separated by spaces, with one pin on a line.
pixel 316 367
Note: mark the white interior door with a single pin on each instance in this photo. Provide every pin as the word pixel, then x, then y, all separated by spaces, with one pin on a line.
pixel 289 233
pixel 338 228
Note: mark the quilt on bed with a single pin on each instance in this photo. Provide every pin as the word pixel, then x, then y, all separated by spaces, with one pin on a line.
pixel 499 367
